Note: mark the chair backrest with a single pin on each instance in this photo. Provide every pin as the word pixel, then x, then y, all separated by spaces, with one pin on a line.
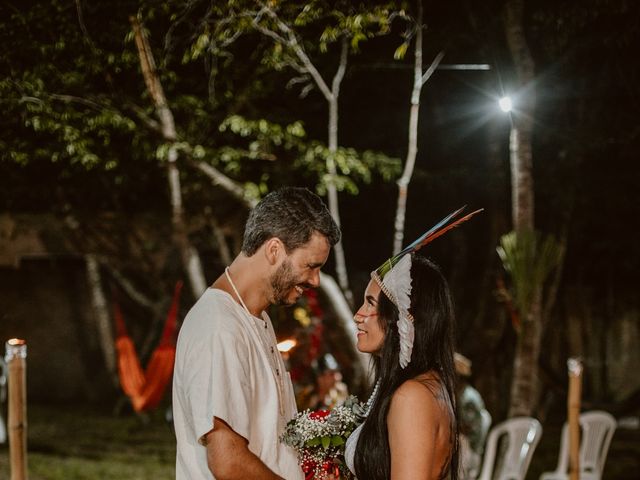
pixel 597 430
pixel 522 435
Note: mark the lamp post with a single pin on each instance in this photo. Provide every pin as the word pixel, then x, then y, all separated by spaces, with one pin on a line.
pixel 520 163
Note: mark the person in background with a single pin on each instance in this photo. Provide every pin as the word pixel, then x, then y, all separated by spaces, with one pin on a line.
pixel 329 390
pixel 475 420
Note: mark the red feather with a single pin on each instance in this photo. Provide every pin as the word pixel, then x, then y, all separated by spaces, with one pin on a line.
pixel 444 230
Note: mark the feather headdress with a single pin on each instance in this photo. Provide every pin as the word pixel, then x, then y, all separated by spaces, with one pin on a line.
pixel 394 279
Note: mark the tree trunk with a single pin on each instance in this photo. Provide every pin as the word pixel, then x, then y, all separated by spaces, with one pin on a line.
pixel 345 319
pixel 524 385
pixel 103 317
pixel 525 370
pixel 412 145
pixel 522 126
pixel 188 254
pixel 521 178
pixel 419 79
pixel 332 192
pixel 290 40
pixel 221 242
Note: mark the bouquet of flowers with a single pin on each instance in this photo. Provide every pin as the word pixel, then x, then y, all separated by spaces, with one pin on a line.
pixel 319 437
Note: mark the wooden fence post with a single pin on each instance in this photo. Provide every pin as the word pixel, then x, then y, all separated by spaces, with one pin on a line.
pixel 573 414
pixel 16 358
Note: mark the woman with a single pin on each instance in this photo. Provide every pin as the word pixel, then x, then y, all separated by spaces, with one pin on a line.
pixel 406 323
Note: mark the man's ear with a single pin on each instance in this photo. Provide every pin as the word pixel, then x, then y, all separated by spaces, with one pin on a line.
pixel 273 249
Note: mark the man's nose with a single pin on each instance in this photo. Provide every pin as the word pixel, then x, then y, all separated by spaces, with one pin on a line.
pixel 314 281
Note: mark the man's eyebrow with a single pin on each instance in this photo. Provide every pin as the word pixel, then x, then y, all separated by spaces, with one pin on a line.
pixel 315 265
pixel 371 298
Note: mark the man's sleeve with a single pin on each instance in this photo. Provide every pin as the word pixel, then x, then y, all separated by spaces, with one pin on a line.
pixel 219 383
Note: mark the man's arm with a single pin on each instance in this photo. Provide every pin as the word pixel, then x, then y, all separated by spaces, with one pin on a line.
pixel 229 457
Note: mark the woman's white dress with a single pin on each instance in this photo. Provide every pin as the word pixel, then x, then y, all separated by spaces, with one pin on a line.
pixel 350 449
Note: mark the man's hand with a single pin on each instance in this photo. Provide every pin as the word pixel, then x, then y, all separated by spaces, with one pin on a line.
pixel 229 457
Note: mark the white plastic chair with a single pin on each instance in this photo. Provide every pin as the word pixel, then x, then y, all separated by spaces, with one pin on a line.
pixel 597 430
pixel 522 435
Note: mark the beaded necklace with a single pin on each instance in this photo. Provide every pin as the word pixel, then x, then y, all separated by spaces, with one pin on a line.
pixel 268 344
pixel 372 398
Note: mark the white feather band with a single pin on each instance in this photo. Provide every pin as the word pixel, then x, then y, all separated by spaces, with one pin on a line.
pixel 397 286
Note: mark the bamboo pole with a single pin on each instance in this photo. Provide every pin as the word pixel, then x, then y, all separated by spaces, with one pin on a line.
pixel 16 358
pixel 573 410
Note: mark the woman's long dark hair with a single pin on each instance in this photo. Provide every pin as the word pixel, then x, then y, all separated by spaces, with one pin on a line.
pixel 432 310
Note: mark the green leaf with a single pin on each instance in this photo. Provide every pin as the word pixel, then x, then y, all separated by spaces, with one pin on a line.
pixel 326 441
pixel 529 258
pixel 314 442
pixel 401 51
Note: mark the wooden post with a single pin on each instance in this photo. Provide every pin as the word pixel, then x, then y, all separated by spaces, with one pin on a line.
pixel 16 357
pixel 573 414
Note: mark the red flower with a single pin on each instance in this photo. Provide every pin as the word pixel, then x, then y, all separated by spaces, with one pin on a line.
pixel 309 469
pixel 313 303
pixel 319 414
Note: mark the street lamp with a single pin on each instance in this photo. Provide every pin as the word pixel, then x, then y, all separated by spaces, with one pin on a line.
pixel 506 105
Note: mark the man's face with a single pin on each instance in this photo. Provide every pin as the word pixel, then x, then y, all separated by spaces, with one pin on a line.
pixel 299 270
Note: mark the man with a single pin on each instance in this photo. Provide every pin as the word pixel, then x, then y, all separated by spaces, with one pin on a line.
pixel 232 396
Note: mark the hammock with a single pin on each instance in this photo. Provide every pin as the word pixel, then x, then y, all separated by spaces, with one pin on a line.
pixel 145 389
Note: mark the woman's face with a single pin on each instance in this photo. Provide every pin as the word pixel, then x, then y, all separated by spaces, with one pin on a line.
pixel 370 333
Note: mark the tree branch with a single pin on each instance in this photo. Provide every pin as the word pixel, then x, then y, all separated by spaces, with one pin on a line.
pixel 126 285
pixel 80 100
pixel 342 67
pixel 144 118
pixel 220 179
pixel 189 255
pixel 269 33
pixel 294 44
pixel 432 67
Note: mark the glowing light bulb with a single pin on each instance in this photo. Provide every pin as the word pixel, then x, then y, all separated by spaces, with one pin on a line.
pixel 506 105
pixel 286 345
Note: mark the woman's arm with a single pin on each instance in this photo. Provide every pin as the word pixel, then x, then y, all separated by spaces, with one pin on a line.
pixel 414 420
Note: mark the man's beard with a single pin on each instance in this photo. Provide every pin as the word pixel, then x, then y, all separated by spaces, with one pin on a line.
pixel 282 282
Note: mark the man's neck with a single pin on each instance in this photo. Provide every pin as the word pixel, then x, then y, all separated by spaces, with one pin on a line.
pixel 249 282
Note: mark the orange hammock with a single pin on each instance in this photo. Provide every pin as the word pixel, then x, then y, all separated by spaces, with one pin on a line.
pixel 145 389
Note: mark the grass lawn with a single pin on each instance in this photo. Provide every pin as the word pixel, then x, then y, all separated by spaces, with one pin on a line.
pixel 84 443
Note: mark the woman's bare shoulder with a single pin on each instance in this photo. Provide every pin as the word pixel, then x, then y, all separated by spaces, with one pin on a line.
pixel 417 394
